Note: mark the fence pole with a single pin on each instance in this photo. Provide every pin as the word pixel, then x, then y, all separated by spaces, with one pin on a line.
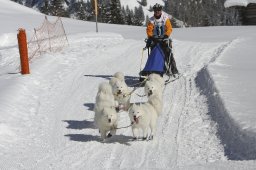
pixel 64 30
pixel 22 41
pixel 48 30
pixel 96 14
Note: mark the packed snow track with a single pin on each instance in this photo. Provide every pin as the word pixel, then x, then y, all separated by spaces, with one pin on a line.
pixel 57 129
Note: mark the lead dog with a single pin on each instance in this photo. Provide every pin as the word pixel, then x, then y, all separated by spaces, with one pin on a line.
pixel 105 117
pixel 143 116
pixel 107 122
pixel 104 98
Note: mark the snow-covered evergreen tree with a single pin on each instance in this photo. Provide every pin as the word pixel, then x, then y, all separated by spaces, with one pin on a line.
pixel 201 12
pixel 115 12
pixel 139 16
pixel 57 8
pixel 144 2
pixel 129 16
pixel 191 12
pixel 45 8
pixel 18 1
pixel 89 8
pixel 103 8
pixel 81 13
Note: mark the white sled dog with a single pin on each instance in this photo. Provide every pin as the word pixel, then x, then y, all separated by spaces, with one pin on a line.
pixel 157 78
pixel 119 75
pixel 107 122
pixel 155 95
pixel 156 102
pixel 116 77
pixel 143 116
pixel 104 98
pixel 153 88
pixel 121 93
pixel 105 114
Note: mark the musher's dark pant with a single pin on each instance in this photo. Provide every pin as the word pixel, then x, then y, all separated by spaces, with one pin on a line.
pixel 169 59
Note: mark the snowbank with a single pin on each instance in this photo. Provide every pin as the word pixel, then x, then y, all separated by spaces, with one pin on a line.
pixel 244 3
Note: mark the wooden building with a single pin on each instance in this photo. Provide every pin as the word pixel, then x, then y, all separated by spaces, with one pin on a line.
pixel 246 9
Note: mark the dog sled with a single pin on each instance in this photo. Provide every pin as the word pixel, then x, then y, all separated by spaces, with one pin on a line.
pixel 160 59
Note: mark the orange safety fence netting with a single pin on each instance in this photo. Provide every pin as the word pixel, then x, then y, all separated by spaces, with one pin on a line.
pixel 50 37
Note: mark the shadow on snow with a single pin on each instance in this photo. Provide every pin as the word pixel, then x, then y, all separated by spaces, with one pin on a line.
pixel 78 124
pixel 88 138
pixel 131 81
pixel 90 106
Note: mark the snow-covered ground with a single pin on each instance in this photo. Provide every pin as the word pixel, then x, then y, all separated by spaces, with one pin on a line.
pixel 46 117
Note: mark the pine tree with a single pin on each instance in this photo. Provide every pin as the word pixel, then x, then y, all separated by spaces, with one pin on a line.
pixel 167 8
pixel 205 13
pixel 139 16
pixel 143 2
pixel 191 12
pixel 45 8
pixel 129 16
pixel 28 3
pixel 57 9
pixel 123 13
pixel 115 12
pixel 103 12
pixel 18 1
pixel 89 8
pixel 72 8
pixel 81 11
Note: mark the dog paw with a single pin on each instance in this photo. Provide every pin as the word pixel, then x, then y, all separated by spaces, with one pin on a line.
pixel 144 138
pixel 150 138
pixel 134 138
pixel 109 135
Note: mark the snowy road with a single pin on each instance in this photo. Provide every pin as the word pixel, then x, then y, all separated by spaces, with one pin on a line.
pixel 59 131
pixel 46 118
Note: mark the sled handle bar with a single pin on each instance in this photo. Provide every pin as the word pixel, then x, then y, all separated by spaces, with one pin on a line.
pixel 158 40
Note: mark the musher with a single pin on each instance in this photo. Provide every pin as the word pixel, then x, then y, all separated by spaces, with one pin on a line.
pixel 159 26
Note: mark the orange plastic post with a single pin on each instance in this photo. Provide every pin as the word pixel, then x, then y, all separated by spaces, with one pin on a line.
pixel 22 41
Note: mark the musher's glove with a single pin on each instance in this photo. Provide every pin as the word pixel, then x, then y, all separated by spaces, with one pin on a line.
pixel 155 38
pixel 152 38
